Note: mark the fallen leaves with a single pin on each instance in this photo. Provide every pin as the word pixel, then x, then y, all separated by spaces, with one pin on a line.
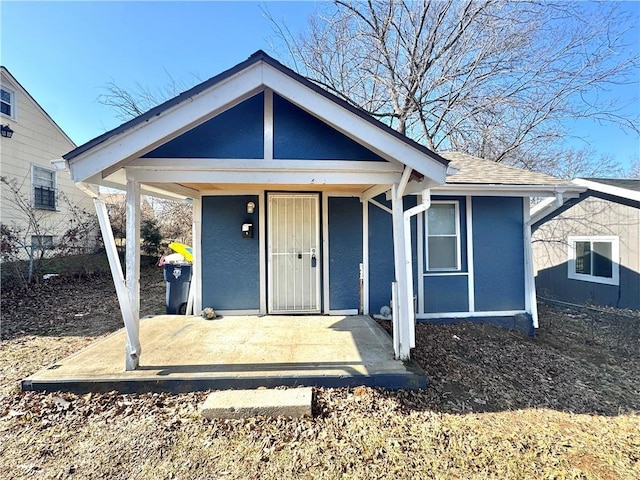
pixel 500 405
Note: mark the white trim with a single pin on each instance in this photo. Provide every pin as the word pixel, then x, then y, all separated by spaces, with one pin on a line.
pixel 425 267
pixel 404 181
pixel 365 258
pixel 420 259
pixel 503 313
pixel 445 274
pixel 352 311
pixel 325 254
pixel 305 177
pixel 380 206
pixel 262 238
pixel 530 300
pixel 237 313
pixel 615 259
pixel 610 189
pixel 261 165
pixel 197 253
pixel 470 265
pixel 374 191
pixel 268 125
pixel 500 190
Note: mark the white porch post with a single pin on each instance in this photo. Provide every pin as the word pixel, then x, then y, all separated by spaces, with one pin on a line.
pixel 402 335
pixel 132 258
pixel 132 349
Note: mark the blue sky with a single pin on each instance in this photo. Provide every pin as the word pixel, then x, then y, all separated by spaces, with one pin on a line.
pixel 64 53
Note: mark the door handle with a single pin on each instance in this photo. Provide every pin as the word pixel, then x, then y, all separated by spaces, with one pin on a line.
pixel 313 261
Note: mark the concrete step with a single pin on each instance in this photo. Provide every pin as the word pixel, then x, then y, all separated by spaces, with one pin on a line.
pixel 294 402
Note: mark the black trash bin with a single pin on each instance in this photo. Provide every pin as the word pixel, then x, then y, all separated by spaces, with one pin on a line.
pixel 178 278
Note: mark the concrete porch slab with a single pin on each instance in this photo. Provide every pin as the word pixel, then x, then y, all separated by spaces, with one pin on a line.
pixel 188 353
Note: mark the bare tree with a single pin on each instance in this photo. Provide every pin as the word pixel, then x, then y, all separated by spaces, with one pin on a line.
pixel 585 163
pixel 491 78
pixel 129 103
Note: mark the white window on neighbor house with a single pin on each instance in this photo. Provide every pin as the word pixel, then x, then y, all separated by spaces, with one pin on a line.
pixel 43 181
pixel 8 102
pixel 42 242
pixel 442 231
pixel 594 259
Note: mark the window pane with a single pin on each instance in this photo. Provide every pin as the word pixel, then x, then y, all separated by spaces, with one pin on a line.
pixel 43 177
pixel 442 253
pixel 5 96
pixel 583 258
pixel 442 219
pixel 42 242
pixel 5 108
pixel 602 262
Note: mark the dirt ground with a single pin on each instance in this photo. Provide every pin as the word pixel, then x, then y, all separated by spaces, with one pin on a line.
pixel 499 405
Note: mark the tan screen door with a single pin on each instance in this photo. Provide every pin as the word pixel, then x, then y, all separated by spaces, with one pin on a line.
pixel 294 253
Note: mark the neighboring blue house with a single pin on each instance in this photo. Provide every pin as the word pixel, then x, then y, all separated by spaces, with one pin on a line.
pixel 305 204
pixel 587 250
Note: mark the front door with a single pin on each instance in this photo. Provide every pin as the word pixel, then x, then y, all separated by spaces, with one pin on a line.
pixel 294 253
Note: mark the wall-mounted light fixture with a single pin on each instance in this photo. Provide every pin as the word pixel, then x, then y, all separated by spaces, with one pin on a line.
pixel 250 207
pixel 6 131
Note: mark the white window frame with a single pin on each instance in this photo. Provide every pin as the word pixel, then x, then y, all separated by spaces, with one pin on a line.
pixel 615 260
pixel 456 204
pixel 33 187
pixel 12 102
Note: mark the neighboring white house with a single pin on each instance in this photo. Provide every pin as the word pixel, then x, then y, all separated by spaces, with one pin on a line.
pixel 30 140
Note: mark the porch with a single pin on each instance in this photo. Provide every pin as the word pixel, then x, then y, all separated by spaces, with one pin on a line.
pixel 186 353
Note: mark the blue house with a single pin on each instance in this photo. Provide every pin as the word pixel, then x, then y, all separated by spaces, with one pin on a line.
pixel 304 204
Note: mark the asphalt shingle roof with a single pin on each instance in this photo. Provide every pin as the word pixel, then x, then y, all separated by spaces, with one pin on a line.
pixel 474 170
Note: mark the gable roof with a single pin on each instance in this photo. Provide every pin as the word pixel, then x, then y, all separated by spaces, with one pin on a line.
pixel 278 78
pixel 16 84
pixel 474 170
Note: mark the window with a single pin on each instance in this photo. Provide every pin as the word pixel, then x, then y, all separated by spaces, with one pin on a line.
pixel 443 236
pixel 594 259
pixel 7 102
pixel 42 242
pixel 44 188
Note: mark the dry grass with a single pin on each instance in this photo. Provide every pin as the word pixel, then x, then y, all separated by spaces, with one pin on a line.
pixel 499 405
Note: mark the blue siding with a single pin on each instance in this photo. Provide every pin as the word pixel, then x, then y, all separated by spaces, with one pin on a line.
pixel 236 133
pixel 230 263
pixel 446 294
pixel 381 267
pixel 345 252
pixel 498 253
pixel 299 135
